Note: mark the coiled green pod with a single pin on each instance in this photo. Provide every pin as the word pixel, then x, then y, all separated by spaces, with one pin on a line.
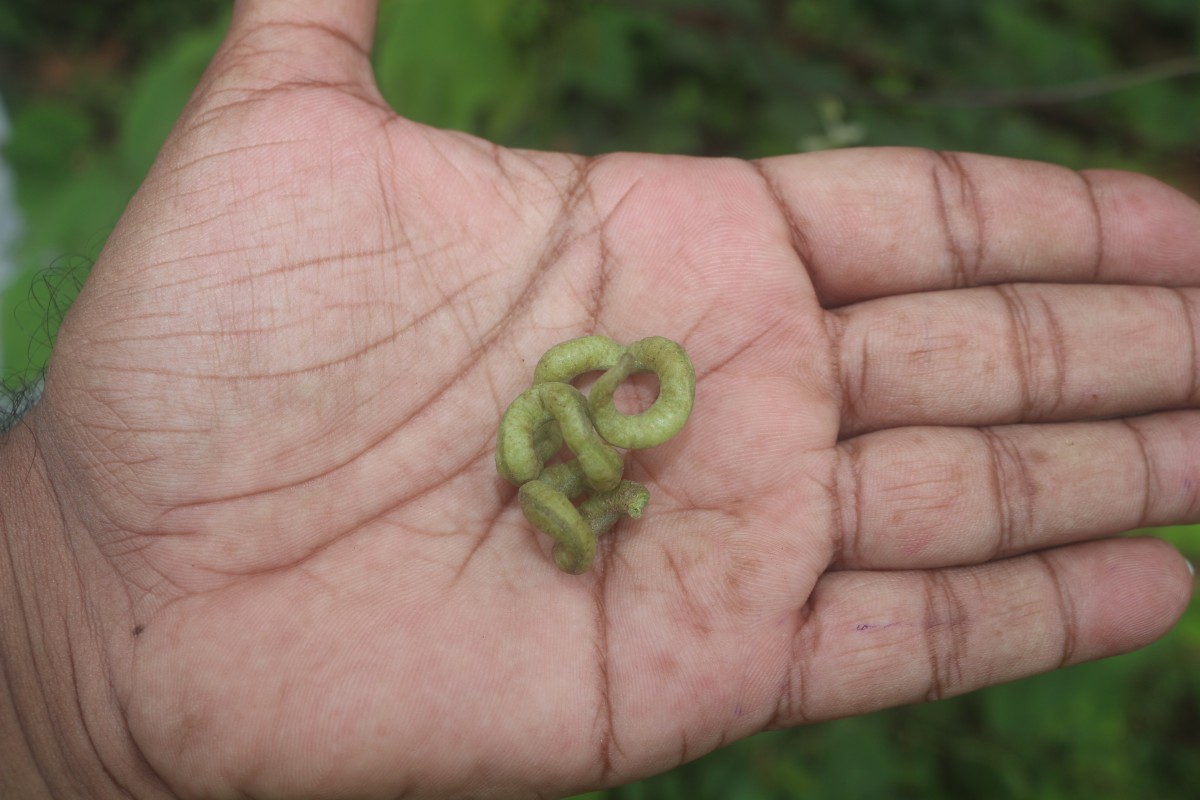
pixel 567 360
pixel 552 412
pixel 665 418
pixel 521 444
pixel 576 530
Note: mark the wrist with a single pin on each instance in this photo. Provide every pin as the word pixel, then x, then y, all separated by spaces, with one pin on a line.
pixel 61 730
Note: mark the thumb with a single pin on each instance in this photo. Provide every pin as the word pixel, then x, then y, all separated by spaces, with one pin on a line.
pixel 304 41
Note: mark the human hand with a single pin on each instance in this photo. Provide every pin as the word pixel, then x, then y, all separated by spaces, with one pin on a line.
pixel 927 384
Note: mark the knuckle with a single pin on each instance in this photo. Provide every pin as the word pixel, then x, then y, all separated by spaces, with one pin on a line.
pixel 1038 348
pixel 960 209
pixel 1014 492
pixel 945 627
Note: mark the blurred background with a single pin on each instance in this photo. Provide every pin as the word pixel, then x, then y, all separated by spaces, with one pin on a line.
pixel 90 88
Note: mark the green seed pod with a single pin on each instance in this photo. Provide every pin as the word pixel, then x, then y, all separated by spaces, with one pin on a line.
pixel 552 513
pixel 576 530
pixel 547 440
pixel 538 422
pixel 520 454
pixel 603 509
pixel 664 419
pixel 566 477
pixel 567 360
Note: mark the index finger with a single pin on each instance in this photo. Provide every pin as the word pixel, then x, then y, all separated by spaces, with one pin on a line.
pixel 876 222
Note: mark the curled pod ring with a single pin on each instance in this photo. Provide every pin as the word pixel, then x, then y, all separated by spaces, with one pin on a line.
pixel 670 410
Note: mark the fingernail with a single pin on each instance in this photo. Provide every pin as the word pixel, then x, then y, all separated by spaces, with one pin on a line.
pixel 1191 568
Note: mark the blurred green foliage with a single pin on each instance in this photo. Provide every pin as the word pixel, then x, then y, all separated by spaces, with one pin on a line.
pixel 90 106
pixel 94 87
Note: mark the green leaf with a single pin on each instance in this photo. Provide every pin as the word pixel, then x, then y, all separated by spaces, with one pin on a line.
pixel 447 63
pixel 160 95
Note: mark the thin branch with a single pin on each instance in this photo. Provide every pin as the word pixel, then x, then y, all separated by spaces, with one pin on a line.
pixel 1058 93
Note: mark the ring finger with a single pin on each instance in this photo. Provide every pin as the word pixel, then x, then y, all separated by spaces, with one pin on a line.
pixel 913 498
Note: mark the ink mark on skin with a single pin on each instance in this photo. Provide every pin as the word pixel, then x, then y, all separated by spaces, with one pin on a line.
pixel 553 411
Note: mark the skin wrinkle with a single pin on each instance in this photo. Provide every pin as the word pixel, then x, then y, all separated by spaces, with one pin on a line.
pixel 202 222
pixel 579 188
pixel 23 613
pixel 946 623
pixel 697 616
pixel 34 614
pixel 172 170
pixel 1058 357
pixel 607 745
pixel 965 270
pixel 129 742
pixel 599 288
pixel 252 98
pixel 363 91
pixel 863 371
pixel 397 231
pixel 452 164
pixel 342 360
pixel 845 399
pixel 1193 335
pixel 919 496
pixel 847 504
pixel 800 243
pixel 957 269
pixel 1148 478
pixel 160 520
pixel 308 27
pixel 194 277
pixel 1066 611
pixel 1019 346
pixel 550 257
pixel 283 269
pixel 1098 226
pixel 564 185
pixel 809 631
pixel 498 158
pixel 313 552
pixel 515 181
pixel 805 640
pixel 1042 394
pixel 1000 456
pixel 724 362
pixel 462 325
pixel 689 332
pixel 204 191
pixel 22 722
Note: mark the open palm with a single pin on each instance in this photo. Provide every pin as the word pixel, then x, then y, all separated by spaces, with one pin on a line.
pixel 271 417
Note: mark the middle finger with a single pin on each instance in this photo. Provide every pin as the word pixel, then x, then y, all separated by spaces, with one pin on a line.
pixel 1016 353
pixel 913 498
